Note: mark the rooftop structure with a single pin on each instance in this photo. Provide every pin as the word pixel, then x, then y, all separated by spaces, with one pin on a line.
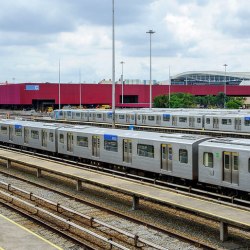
pixel 211 78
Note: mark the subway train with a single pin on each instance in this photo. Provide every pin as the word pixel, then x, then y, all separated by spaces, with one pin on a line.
pixel 216 120
pixel 217 162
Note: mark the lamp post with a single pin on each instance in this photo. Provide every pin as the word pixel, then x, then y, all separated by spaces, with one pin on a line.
pixel 150 32
pixel 225 85
pixel 80 76
pixel 113 64
pixel 169 89
pixel 122 79
pixel 59 85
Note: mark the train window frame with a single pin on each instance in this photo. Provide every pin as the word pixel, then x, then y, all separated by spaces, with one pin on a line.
pixel 4 130
pixel 34 134
pixel 18 132
pixel 209 164
pixel 198 120
pixel 51 137
pixel 183 155
pixel 247 122
pixel 122 117
pixel 151 118
pixel 82 141
pixel 226 121
pixel 111 145
pixel 183 119
pixel 166 118
pixel 145 150
pixel 99 116
pixel 208 120
pixel 61 138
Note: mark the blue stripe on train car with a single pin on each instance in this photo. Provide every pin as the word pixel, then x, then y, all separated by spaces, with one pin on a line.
pixel 18 126
pixel 247 118
pixel 110 137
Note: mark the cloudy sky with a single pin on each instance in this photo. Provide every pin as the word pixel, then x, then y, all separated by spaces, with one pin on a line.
pixel 190 35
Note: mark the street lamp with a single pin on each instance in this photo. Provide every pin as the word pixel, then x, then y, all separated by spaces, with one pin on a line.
pixel 225 85
pixel 122 79
pixel 113 64
pixel 59 85
pixel 150 32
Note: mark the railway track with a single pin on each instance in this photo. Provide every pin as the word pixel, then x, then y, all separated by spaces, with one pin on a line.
pixel 87 230
pixel 64 220
pixel 130 217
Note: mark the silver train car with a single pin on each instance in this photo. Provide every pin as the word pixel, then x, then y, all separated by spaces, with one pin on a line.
pixel 172 154
pixel 223 162
pixel 34 135
pixel 219 120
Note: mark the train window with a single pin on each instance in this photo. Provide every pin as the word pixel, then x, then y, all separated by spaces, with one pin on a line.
pixel 247 122
pixel 151 118
pixel 207 120
pixel 139 117
pixel 183 156
pixel 111 145
pixel 4 130
pixel 18 131
pixel 69 113
pixel 99 116
pixel 208 160
pixel 198 120
pixel 51 137
pixel 61 138
pixel 82 141
pixel 226 161
pixel 78 114
pixel 34 134
pixel 110 115
pixel 226 121
pixel 235 162
pixel 182 119
pixel 145 150
pixel 121 116
pixel 166 118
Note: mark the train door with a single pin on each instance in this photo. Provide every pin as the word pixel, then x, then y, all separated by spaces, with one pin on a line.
pixel 237 123
pixel 127 151
pixel 191 122
pixel 231 167
pixel 158 120
pixel 26 135
pixel 11 132
pixel 96 145
pixel 104 117
pixel 174 120
pixel 44 138
pixel 70 142
pixel 215 122
pixel 94 117
pixel 166 157
pixel 127 118
pixel 144 117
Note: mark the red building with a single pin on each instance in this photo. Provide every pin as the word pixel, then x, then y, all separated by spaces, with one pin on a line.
pixel 40 95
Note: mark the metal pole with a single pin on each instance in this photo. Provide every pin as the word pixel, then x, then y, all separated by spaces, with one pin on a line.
pixel 113 64
pixel 59 86
pixel 225 85
pixel 80 88
pixel 169 86
pixel 122 79
pixel 150 32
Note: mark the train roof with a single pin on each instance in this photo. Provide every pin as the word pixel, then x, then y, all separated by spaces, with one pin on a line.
pixel 234 143
pixel 184 138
